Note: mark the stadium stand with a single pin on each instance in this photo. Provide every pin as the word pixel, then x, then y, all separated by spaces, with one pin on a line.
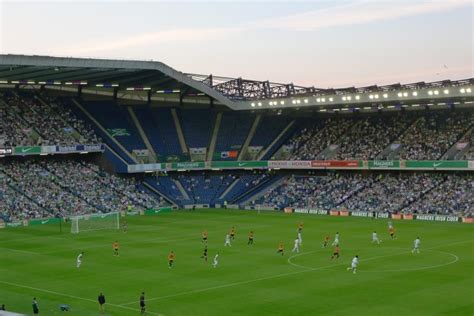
pixel 384 192
pixel 232 133
pixel 67 187
pixel 27 119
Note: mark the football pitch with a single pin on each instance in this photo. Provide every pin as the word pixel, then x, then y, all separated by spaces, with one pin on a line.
pixel 40 262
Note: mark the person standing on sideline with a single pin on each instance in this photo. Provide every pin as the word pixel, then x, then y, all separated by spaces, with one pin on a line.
pixel 101 299
pixel 142 304
pixel 35 306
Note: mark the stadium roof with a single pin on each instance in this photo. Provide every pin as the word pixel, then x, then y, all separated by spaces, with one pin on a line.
pixel 152 80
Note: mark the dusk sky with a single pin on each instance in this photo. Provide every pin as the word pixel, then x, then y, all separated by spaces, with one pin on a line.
pixel 320 43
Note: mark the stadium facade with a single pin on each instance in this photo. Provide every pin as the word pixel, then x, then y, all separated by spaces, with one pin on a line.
pixel 166 138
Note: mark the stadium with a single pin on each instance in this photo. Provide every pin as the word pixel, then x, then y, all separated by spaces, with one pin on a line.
pixel 177 193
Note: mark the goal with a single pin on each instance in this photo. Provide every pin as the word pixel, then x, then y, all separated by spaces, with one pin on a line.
pixel 90 222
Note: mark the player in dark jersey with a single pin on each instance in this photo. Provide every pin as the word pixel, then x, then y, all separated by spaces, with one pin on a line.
pixel 142 303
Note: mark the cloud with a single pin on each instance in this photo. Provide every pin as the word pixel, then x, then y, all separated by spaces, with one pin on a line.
pixel 362 12
pixel 356 13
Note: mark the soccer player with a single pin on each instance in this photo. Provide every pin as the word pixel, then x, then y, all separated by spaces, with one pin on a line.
pixel 354 263
pixel 336 252
pixel 204 236
pixel 227 241
pixel 280 248
pixel 79 260
pixel 232 233
pixel 296 247
pixel 375 238
pixel 390 224
pixel 250 242
pixel 171 258
pixel 336 239
pixel 391 231
pixel 215 261
pixel 416 245
pixel 142 304
pixel 101 300
pixel 204 254
pixel 326 241
pixel 300 227
pixel 124 227
pixel 300 238
pixel 116 248
pixel 35 306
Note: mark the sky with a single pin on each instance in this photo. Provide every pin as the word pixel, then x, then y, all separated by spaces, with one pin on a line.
pixel 324 43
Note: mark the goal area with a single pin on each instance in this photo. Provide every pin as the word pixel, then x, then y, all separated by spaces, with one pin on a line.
pixel 92 222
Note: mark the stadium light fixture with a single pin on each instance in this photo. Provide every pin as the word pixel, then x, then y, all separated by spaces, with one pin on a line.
pixel 376 96
pixel 436 92
pixel 462 90
pixel 343 98
pixel 305 100
pixel 270 103
pixel 259 103
pixel 446 91
pixel 298 101
pixel 293 101
pixel 344 109
pixel 414 93
pixel 3 82
pixel 367 108
pixel 318 100
pixel 390 106
pixel 349 98
pixel 330 99
pixel 322 110
pixel 371 96
pixel 323 99
pixel 468 90
pixel 282 102
pixel 399 94
pixel 430 92
pixel 252 104
pixel 385 95
pixel 357 97
pixel 15 82
pixel 405 94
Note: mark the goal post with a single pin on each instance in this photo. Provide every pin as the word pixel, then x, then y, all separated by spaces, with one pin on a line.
pixel 91 222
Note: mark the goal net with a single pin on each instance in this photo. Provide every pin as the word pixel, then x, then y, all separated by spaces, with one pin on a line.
pixel 92 222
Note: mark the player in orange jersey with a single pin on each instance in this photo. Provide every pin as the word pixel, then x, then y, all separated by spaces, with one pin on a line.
pixel 280 248
pixel 171 258
pixel 116 247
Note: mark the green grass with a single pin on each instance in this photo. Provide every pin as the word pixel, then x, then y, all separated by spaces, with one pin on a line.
pixel 250 280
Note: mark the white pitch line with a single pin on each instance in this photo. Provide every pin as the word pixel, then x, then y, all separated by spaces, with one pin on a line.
pixel 456 259
pixel 74 297
pixel 21 251
pixel 266 278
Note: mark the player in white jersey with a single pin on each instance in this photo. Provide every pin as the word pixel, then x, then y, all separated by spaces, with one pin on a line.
pixel 79 260
pixel 215 261
pixel 296 247
pixel 375 238
pixel 390 225
pixel 227 241
pixel 336 239
pixel 300 238
pixel 354 263
pixel 416 245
